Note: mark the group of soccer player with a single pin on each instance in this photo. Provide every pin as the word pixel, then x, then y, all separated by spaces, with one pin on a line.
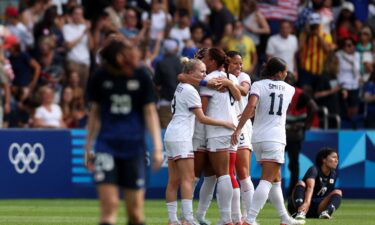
pixel 204 137
pixel 201 140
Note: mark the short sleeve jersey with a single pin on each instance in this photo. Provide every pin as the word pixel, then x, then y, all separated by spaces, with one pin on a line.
pixel 121 100
pixel 181 127
pixel 221 106
pixel 323 184
pixel 274 98
pixel 241 105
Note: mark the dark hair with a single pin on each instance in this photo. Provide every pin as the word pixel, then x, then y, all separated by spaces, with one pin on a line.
pixel 290 79
pixel 232 54
pixel 201 53
pixel 272 67
pixel 110 52
pixel 183 12
pixel 219 56
pixel 344 40
pixel 323 154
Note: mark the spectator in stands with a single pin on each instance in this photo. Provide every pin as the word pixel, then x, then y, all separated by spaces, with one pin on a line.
pixel 314 46
pixel 52 64
pixel 349 75
pixel 130 29
pixel 181 30
pixel 26 69
pixel 243 44
pixel 254 21
pixel 328 92
pixel 207 42
pixel 116 12
pixel 303 17
pixel 284 45
pixel 4 91
pixel 51 24
pixel 158 18
pixel 166 80
pixel 234 7
pixel 73 109
pixel 220 20
pixel 74 84
pixel 369 99
pixel 346 23
pixel 33 14
pixel 18 29
pixel 78 41
pixel 102 29
pixel 364 48
pixel 197 35
pixel 48 115
pixel 299 119
pixel 148 56
pixel 201 10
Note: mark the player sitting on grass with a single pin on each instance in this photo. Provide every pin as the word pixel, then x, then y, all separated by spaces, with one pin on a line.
pixel 315 196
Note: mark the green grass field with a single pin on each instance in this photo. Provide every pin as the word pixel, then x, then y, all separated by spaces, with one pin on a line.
pixel 82 212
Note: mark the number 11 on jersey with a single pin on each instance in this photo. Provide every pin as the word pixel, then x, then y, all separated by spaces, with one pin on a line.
pixel 280 96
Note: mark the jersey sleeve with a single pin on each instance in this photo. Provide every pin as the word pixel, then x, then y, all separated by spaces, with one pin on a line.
pixel 148 87
pixel 312 172
pixel 244 78
pixel 192 99
pixel 255 89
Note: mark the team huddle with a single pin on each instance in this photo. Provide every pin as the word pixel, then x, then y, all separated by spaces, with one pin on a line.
pixel 211 135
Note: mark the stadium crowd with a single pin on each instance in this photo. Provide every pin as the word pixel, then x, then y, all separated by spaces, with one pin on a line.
pixel 48 48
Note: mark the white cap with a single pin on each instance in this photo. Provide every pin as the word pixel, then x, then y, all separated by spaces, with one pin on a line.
pixel 348 5
pixel 170 45
pixel 314 18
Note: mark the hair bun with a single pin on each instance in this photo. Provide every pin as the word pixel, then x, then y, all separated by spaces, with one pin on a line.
pixel 184 60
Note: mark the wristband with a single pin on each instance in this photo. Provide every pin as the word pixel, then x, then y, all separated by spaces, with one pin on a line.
pixel 203 83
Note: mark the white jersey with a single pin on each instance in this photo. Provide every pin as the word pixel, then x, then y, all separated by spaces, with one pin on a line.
pixel 181 127
pixel 270 114
pixel 241 105
pixel 220 106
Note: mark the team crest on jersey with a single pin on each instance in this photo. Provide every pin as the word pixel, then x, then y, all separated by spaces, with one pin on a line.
pixel 331 181
pixel 132 85
pixel 107 84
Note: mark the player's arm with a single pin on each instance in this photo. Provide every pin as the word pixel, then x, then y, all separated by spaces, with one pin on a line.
pixel 312 108
pixel 209 121
pixel 247 113
pixel 152 122
pixel 93 126
pixel 185 78
pixel 231 87
pixel 310 183
pixel 244 88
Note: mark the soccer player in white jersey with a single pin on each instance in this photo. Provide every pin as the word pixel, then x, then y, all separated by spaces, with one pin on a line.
pixel 186 106
pixel 243 157
pixel 269 99
pixel 220 105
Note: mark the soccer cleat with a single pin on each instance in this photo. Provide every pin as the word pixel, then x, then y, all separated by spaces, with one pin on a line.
pixel 324 215
pixel 300 216
pixel 203 221
pixel 291 221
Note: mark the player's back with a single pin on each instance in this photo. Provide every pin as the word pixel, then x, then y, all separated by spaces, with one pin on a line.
pixel 274 98
pixel 181 127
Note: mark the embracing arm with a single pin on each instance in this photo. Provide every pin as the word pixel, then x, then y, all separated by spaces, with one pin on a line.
pixel 244 88
pixel 209 121
pixel 236 93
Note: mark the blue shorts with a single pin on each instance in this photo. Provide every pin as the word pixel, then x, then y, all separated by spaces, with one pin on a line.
pixel 126 173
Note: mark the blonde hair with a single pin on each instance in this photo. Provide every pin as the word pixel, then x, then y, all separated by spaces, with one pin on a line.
pixel 189 65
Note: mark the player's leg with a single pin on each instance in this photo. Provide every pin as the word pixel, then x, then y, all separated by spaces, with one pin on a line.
pixel 134 202
pixel 236 199
pixel 220 163
pixel 171 191
pixel 243 173
pixel 330 204
pixel 296 199
pixel 185 169
pixel 206 192
pixel 293 148
pixel 109 203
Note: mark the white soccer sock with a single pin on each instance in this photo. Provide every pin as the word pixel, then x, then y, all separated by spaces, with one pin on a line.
pixel 247 192
pixel 187 209
pixel 225 193
pixel 205 196
pixel 277 200
pixel 172 211
pixel 236 205
pixel 259 199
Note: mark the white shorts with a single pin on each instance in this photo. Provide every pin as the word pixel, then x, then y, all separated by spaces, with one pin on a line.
pixel 244 142
pixel 219 144
pixel 179 149
pixel 269 151
pixel 199 145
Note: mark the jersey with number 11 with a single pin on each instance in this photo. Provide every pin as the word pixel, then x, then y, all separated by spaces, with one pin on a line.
pixel 274 98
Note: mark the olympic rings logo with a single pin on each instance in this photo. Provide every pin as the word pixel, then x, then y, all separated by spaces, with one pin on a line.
pixel 26 157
